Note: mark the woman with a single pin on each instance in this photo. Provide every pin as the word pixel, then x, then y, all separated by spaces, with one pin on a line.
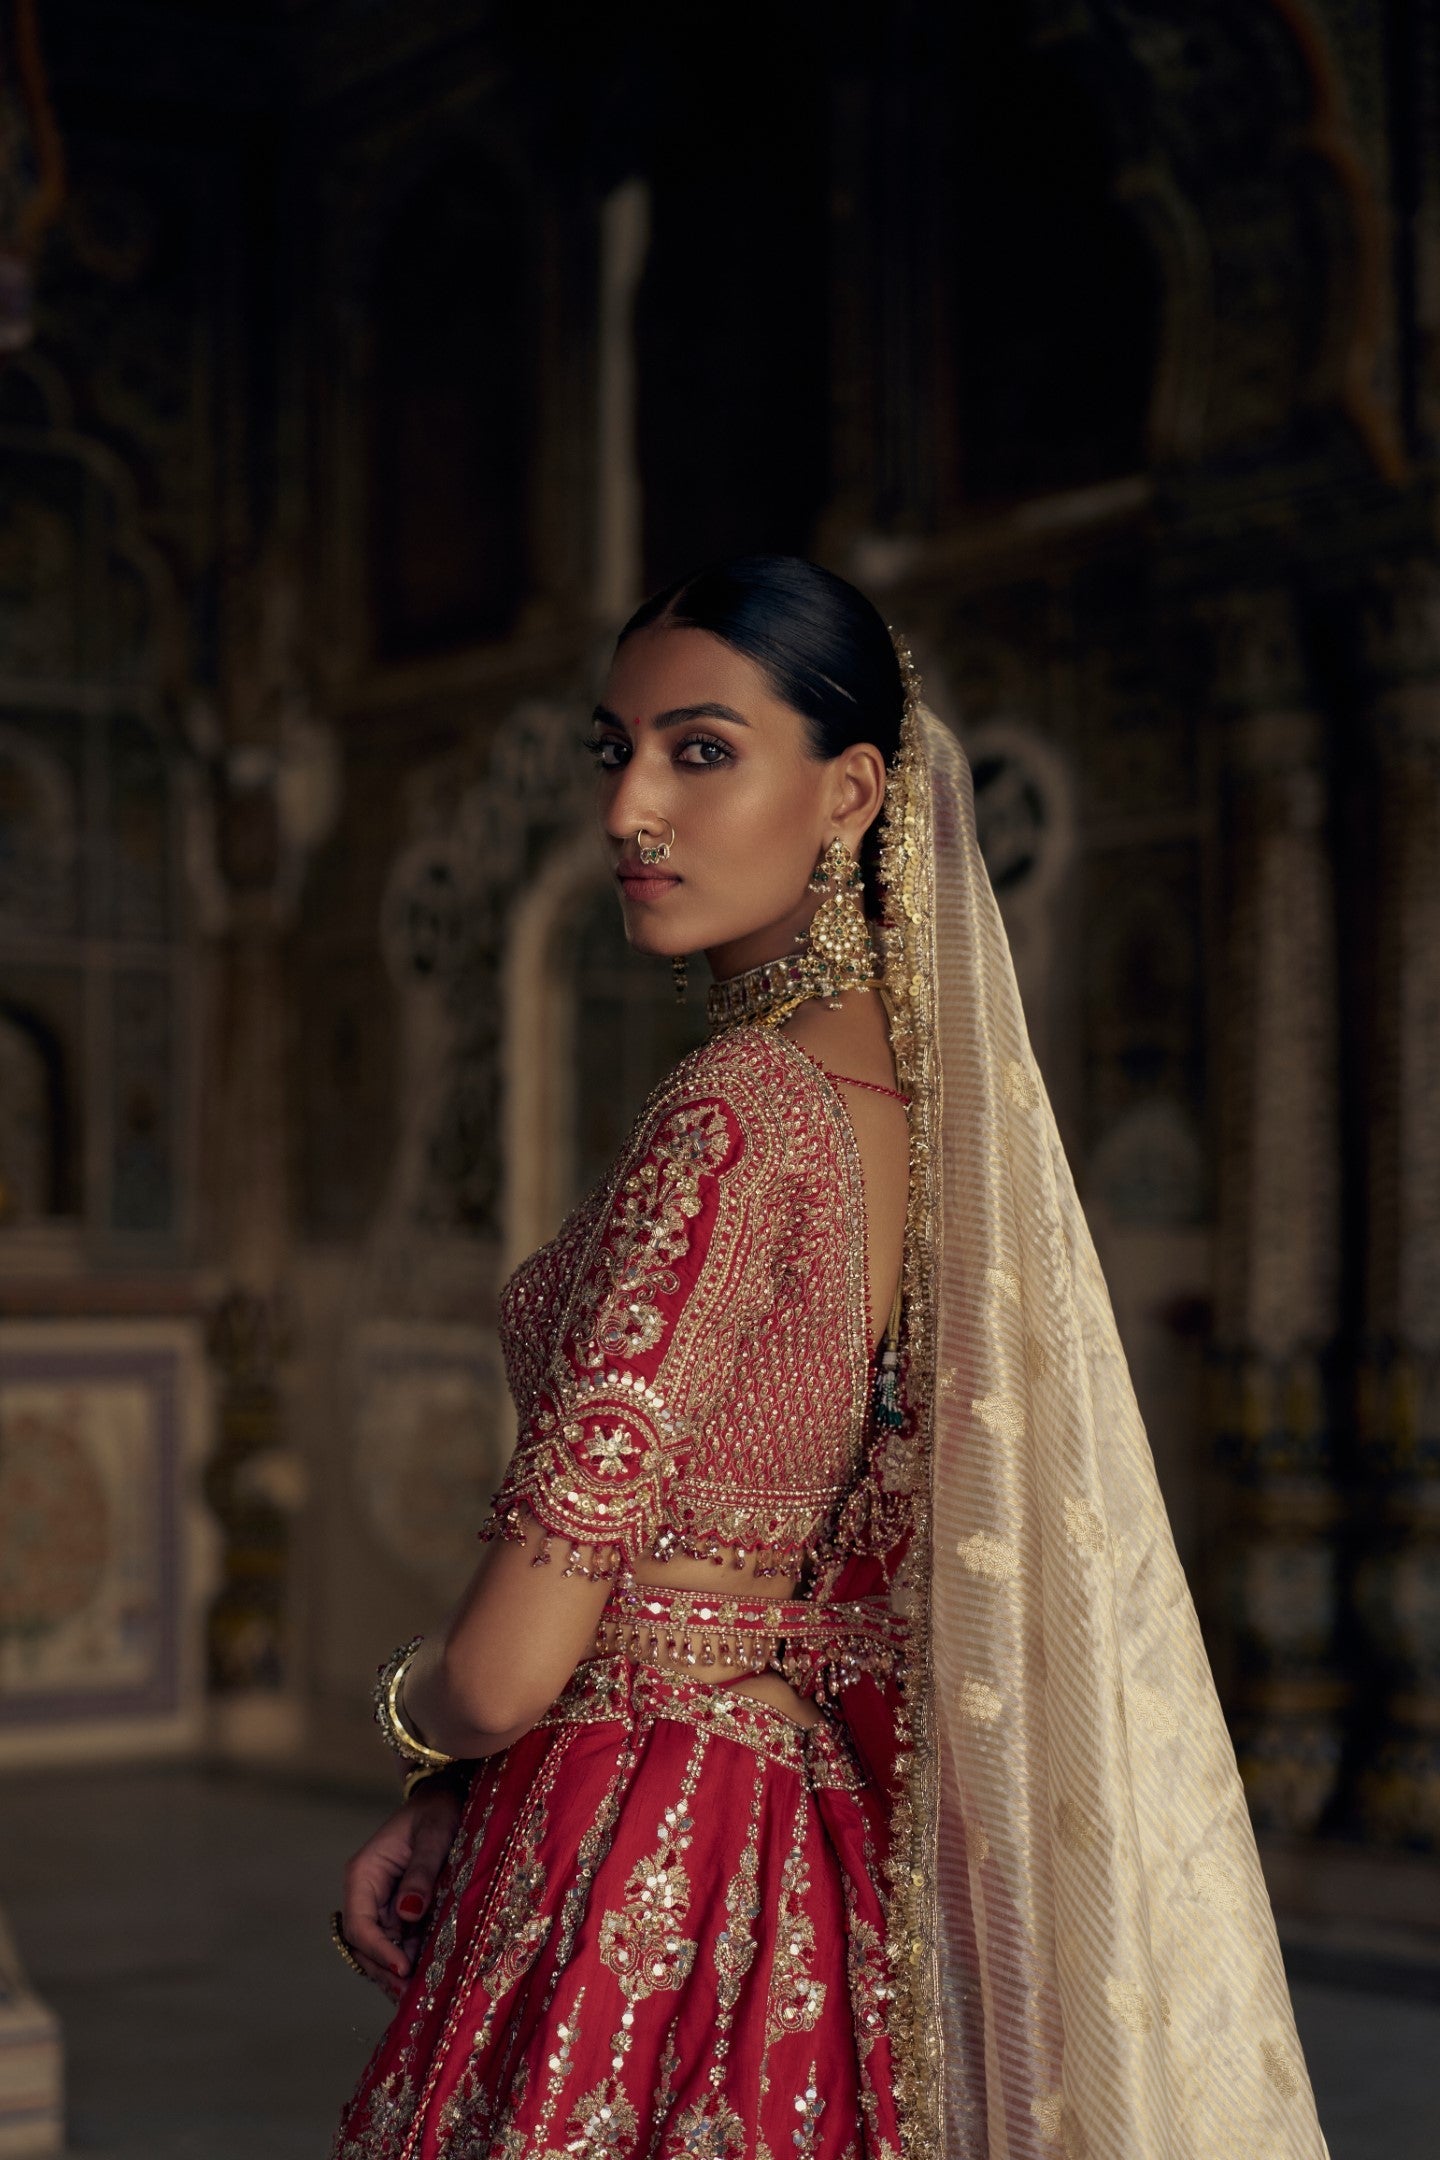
pixel 850 1782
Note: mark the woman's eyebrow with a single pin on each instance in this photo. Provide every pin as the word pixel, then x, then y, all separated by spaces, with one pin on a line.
pixel 677 716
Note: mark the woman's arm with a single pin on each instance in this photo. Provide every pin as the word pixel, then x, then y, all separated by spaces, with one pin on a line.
pixel 654 1322
pixel 513 1641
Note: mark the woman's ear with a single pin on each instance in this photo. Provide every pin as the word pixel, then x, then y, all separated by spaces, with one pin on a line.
pixel 859 791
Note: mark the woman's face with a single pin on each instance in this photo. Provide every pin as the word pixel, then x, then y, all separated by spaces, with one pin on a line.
pixel 690 734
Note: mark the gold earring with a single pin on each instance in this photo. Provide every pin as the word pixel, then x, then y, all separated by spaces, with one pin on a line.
pixel 680 968
pixel 838 951
pixel 654 854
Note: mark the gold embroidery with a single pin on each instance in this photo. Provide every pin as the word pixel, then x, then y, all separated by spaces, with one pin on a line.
pixel 1021 1088
pixel 708 2130
pixel 734 1947
pixel 1058 2124
pixel 1049 2113
pixel 389 2114
pixel 642 1943
pixel 719 1446
pixel 603 2121
pixel 1084 1525
pixel 1002 1420
pixel 1153 1712
pixel 518 1927
pixel 650 1229
pixel 439 1949
pixel 1128 2005
pixel 1078 1831
pixel 1006 1281
pixel 980 1702
pixel 1280 2069
pixel 663 2097
pixel 560 2063
pixel 1215 1885
pixel 871 1988
pixel 809 2107
pixel 796 1996
pixel 993 1557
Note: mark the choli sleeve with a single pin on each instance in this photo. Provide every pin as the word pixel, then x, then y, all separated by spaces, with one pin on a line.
pixel 661 1296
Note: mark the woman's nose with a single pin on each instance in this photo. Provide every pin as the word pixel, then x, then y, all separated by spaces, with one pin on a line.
pixel 637 798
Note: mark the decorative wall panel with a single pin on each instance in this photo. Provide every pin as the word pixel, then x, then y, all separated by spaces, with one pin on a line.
pixel 104 1547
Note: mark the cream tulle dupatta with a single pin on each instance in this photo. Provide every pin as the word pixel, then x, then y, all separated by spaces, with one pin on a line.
pixel 1087 1962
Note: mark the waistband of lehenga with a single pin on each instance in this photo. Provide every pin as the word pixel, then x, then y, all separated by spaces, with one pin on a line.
pixel 820 1645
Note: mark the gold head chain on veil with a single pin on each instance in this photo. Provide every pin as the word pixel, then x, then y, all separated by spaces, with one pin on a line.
pixel 1084 1955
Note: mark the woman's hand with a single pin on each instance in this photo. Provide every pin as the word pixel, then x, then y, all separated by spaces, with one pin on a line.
pixel 390 1881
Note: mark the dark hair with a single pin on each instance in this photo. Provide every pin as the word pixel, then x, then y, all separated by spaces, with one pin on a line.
pixel 821 645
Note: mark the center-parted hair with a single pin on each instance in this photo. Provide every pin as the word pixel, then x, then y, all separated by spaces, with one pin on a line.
pixel 821 645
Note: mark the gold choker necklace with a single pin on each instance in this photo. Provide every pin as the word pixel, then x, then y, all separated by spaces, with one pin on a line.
pixel 768 994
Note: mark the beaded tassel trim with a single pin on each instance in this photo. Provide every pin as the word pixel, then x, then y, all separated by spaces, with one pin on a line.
pixel 820 1647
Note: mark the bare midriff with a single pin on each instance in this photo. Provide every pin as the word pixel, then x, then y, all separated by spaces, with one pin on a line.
pixel 727 1580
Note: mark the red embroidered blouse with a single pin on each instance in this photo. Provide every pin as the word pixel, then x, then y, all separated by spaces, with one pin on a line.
pixel 690 1354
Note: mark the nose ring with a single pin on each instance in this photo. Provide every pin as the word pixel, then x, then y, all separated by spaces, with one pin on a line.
pixel 659 852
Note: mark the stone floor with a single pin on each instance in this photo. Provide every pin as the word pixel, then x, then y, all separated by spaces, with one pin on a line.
pixel 178 1921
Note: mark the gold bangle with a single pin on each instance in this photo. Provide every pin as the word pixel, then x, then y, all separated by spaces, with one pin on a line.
pixel 406 1744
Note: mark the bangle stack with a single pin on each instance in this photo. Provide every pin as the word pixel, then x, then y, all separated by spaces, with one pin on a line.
pixel 411 1749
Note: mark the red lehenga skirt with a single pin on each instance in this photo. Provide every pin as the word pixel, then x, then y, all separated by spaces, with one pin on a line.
pixel 660 1933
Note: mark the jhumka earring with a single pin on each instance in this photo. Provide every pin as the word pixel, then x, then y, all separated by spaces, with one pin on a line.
pixel 838 951
pixel 680 967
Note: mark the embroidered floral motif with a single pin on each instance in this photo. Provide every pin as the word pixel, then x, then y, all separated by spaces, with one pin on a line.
pixel 871 1988
pixel 650 1228
pixel 642 1945
pixel 519 1926
pixel 386 2119
pixel 603 2122
pixel 560 2064
pixel 809 2107
pixel 734 1946
pixel 439 1949
pixel 707 2131
pixel 796 1996
pixel 466 2128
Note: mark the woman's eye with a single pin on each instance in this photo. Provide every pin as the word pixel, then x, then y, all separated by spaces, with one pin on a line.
pixel 712 751
pixel 608 751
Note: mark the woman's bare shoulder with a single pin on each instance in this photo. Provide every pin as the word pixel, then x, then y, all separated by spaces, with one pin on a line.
pixel 855 1039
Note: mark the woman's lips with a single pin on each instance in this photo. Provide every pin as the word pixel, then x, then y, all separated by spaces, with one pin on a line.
pixel 646 885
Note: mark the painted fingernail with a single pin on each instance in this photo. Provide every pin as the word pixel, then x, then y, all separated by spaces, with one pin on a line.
pixel 411 1904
